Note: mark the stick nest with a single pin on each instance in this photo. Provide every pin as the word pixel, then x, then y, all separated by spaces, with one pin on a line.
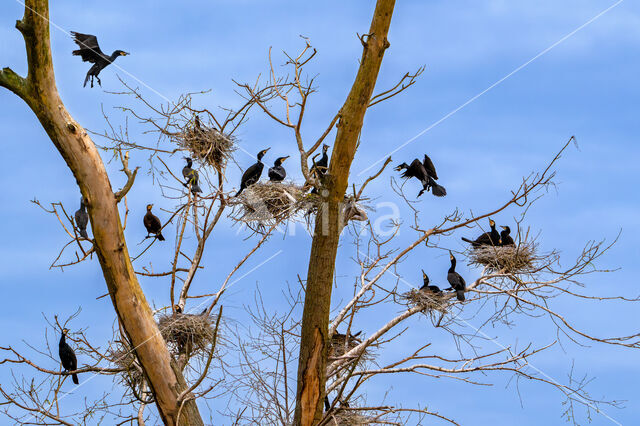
pixel 187 332
pixel 343 417
pixel 511 259
pixel 263 205
pixel 341 344
pixel 427 300
pixel 132 376
pixel 207 145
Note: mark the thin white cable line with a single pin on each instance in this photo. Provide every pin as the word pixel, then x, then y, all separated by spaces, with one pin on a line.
pixel 472 99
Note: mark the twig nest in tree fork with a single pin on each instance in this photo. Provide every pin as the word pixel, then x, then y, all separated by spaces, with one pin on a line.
pixel 345 416
pixel 263 205
pixel 131 376
pixel 187 333
pixel 427 300
pixel 514 259
pixel 207 145
pixel 341 344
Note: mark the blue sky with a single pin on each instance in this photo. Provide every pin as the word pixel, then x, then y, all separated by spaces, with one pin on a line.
pixel 586 86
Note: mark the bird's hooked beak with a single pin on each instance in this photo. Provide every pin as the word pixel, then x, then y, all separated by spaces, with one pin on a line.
pixel 264 151
pixel 423 275
pixel 491 222
pixel 284 158
pixel 451 255
pixel 124 53
pixel 65 331
pixel 503 227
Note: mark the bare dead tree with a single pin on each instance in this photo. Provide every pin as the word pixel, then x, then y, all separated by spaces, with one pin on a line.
pixel 306 365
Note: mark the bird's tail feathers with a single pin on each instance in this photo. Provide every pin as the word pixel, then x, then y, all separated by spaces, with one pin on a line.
pixel 239 191
pixel 74 377
pixel 83 234
pixel 466 240
pixel 160 236
pixel 460 295
pixel 438 190
pixel 86 80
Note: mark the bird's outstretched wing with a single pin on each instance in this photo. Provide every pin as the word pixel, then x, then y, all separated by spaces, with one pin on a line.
pixel 89 48
pixel 429 167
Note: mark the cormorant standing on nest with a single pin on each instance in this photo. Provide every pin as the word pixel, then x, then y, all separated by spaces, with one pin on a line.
pixel 82 219
pixel 277 173
pixel 418 170
pixel 90 52
pixel 67 356
pixel 153 224
pixel 252 174
pixel 321 166
pixel 487 239
pixel 191 176
pixel 505 238
pixel 457 282
pixel 426 287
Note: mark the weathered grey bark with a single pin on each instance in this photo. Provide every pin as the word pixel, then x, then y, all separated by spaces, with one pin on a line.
pixel 39 91
pixel 315 319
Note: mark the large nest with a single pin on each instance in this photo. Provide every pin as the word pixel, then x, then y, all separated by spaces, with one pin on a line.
pixel 125 358
pixel 208 145
pixel 519 258
pixel 187 333
pixel 263 205
pixel 427 300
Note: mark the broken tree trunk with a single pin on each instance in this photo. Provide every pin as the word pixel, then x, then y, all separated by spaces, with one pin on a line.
pixel 39 91
pixel 315 319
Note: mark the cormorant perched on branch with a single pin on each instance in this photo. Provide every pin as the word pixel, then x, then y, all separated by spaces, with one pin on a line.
pixel 505 238
pixel 90 52
pixel 457 282
pixel 153 224
pixel 426 287
pixel 191 176
pixel 82 219
pixel 277 173
pixel 426 177
pixel 487 239
pixel 67 356
pixel 252 174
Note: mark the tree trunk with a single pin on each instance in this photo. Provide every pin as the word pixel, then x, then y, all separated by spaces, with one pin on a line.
pixel 315 319
pixel 39 91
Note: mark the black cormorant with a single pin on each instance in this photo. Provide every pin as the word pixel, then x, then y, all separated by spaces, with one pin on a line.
pixel 457 282
pixel 90 52
pixel 417 170
pixel 277 173
pixel 82 219
pixel 252 174
pixel 192 176
pixel 426 287
pixel 321 166
pixel 487 239
pixel 505 238
pixel 67 356
pixel 153 224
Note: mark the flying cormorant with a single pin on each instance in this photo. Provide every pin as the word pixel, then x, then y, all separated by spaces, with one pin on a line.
pixel 277 173
pixel 90 52
pixel 429 288
pixel 82 219
pixel 505 238
pixel 192 176
pixel 67 356
pixel 457 282
pixel 252 174
pixel 153 224
pixel 486 239
pixel 418 170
